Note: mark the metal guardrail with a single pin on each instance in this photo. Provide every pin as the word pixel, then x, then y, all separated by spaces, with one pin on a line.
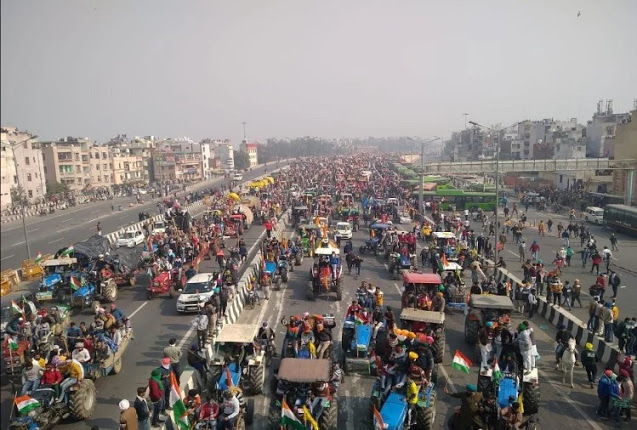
pixel 504 166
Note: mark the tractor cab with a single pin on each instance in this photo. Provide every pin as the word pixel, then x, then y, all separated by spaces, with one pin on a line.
pixel 56 277
pixel 419 289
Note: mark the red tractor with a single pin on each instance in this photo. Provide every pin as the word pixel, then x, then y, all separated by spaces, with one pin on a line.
pixel 166 282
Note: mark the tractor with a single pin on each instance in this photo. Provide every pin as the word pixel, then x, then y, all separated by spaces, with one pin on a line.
pixel 90 291
pixel 271 269
pixel 322 280
pixel 293 385
pixel 484 308
pixel 399 263
pixel 393 408
pixel 418 286
pixel 421 321
pixel 235 363
pixel 306 239
pixel 357 346
pixel 55 280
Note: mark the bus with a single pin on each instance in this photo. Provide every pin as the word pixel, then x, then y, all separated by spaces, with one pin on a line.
pixel 621 218
pixel 461 199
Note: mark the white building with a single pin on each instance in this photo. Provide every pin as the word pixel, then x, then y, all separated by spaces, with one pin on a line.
pixel 28 155
pixel 600 131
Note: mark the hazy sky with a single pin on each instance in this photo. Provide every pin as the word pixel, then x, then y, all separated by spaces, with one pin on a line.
pixel 294 68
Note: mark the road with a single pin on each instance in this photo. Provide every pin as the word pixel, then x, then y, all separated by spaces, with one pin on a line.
pixel 560 405
pixel 63 228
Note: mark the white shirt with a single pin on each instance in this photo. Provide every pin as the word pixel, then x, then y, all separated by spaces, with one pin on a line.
pixel 466 212
pixel 82 356
pixel 607 254
pixel 117 337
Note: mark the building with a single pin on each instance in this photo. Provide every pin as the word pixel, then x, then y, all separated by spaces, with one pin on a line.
pixel 28 155
pixel 136 147
pixel 251 150
pixel 67 161
pixel 128 170
pixel 626 149
pixel 101 167
pixel 600 131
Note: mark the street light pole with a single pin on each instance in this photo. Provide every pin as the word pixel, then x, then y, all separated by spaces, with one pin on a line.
pixel 17 175
pixel 422 171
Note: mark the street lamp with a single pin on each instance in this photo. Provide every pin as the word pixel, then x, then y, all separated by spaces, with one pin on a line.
pixel 17 175
pixel 422 171
pixel 497 132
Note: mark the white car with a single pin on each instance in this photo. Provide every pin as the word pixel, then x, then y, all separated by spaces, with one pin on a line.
pixel 159 227
pixel 130 239
pixel 196 292
pixel 343 230
pixel 238 177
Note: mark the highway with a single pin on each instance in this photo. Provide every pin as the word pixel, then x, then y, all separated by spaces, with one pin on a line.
pixel 49 233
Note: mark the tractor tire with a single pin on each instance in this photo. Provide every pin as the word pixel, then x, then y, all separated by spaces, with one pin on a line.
pixel 485 384
pixel 439 347
pixel 256 379
pixel 292 267
pixel 274 417
pixel 434 374
pixel 109 293
pixel 83 401
pixel 471 329
pixel 249 414
pixel 361 250
pixel 278 284
pixel 426 417
pixel 149 294
pixel 346 340
pixel 339 291
pixel 381 344
pixel 117 367
pixel 328 419
pixel 310 291
pixel 284 276
pixel 531 398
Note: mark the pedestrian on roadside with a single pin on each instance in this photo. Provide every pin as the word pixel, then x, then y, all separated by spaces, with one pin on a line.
pixel 607 256
pixel 613 242
pixel 607 319
pixel 589 361
pixel 357 264
pixel 522 250
pixel 565 238
pixel 577 290
pixel 568 293
pixel 549 224
pixel 224 296
pixel 201 324
pixel 603 392
pixel 142 409
pixel 173 352
pixel 614 280
pixel 156 395
pixel 127 416
pixel 596 259
pixel 532 299
pixel 569 255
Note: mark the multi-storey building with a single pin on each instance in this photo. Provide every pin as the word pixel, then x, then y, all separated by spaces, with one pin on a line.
pixel 101 167
pixel 67 161
pixel 600 131
pixel 626 149
pixel 251 150
pixel 30 169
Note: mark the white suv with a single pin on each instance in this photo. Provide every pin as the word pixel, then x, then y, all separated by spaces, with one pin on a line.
pixel 196 292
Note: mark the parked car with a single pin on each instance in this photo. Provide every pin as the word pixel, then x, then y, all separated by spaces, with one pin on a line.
pixel 131 238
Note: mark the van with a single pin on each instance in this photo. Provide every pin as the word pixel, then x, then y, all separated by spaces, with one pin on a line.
pixel 594 214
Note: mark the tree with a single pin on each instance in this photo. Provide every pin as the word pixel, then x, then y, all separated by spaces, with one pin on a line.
pixel 56 188
pixel 18 197
pixel 241 160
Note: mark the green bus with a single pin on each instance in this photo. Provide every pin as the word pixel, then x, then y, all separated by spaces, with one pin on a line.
pixel 460 199
pixel 621 218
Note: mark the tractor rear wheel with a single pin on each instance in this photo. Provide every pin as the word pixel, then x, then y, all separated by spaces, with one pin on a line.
pixel 109 291
pixel 531 398
pixel 471 328
pixel 117 367
pixel 327 420
pixel 284 275
pixel 439 347
pixel 339 290
pixel 310 291
pixel 249 414
pixel 257 378
pixel 82 401
pixel 426 417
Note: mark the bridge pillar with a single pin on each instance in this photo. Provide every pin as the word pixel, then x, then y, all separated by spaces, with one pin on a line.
pixel 630 180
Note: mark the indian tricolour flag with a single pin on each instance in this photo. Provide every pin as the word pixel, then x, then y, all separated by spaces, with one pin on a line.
pixel 358 319
pixel 38 258
pixel 288 418
pixel 75 283
pixel 68 251
pixel 179 409
pixel 13 345
pixel 497 373
pixel 461 362
pixel 15 308
pixel 26 404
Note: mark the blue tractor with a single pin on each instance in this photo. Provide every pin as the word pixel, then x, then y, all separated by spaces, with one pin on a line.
pixel 272 270
pixel 55 280
pixel 357 347
pixel 89 290
pixel 394 408
pixel 284 267
pixel 78 404
pixel 399 263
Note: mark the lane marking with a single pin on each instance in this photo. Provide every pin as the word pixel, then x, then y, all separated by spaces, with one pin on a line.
pixel 398 289
pixel 448 380
pixel 9 256
pixel 19 243
pixel 35 229
pixel 186 337
pixel 67 219
pixel 63 230
pixel 349 407
pixel 137 310
pixel 56 240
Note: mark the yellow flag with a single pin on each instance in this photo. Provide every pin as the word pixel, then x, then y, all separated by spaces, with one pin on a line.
pixel 307 417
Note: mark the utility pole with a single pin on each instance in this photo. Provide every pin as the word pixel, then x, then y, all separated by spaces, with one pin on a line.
pixel 422 171
pixel 465 120
pixel 244 130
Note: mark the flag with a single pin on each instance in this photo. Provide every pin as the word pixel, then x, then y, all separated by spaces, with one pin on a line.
pixel 289 419
pixel 308 418
pixel 68 251
pixel 229 382
pixel 461 362
pixel 75 283
pixel 26 404
pixel 497 373
pixel 38 258
pixel 445 262
pixel 177 404
pixel 13 345
pixel 379 424
pixel 17 309
pixel 358 319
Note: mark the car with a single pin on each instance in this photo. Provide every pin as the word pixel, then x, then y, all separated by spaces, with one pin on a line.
pixel 196 292
pixel 238 177
pixel 159 227
pixel 594 215
pixel 343 230
pixel 131 239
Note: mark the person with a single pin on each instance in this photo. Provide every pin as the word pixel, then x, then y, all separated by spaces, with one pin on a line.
pixel 512 416
pixel 127 416
pixel 613 242
pixel 52 378
pixel 117 313
pixel 73 333
pixel 627 392
pixel 230 409
pixel 561 338
pixel 174 354
pixel 267 335
pixel 603 392
pixel 208 413
pixel 80 354
pixel 353 309
pixel 614 399
pixel 76 374
pixel 197 360
pixel 469 417
pixel 411 397
pixel 201 323
pixel 577 290
pixel 31 375
pixel 335 261
pixel 142 409
pixel 614 280
pixel 589 361
pixel 165 371
pixel 324 338
pixel 156 395
pixel 526 348
pixel 357 264
pixel 532 302
pixel 607 319
pixel 192 402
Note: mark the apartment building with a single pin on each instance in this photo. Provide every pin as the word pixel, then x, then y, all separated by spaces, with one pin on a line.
pixel 68 161
pixel 600 131
pixel 252 151
pixel 626 149
pixel 128 169
pixel 101 167
pixel 28 157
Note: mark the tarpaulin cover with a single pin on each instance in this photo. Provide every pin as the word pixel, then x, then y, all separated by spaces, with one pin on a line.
pixel 91 248
pixel 129 257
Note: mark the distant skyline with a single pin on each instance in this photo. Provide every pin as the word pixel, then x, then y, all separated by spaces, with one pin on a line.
pixel 290 68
